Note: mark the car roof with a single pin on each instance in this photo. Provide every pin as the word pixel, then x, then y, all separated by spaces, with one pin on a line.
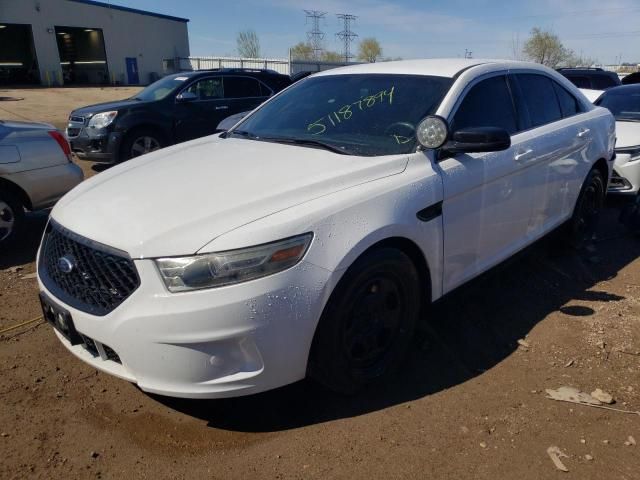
pixel 623 89
pixel 440 67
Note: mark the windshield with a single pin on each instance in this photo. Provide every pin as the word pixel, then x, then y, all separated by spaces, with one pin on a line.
pixel 359 114
pixel 160 89
pixel 623 105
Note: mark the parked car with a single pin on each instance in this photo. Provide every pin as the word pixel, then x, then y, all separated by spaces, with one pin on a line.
pixel 624 104
pixel 35 171
pixel 631 79
pixel 591 78
pixel 174 109
pixel 307 239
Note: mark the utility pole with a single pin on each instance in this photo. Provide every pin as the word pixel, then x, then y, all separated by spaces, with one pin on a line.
pixel 315 35
pixel 346 35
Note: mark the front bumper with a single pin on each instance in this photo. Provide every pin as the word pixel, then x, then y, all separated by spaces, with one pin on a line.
pixel 625 179
pixel 215 343
pixel 95 146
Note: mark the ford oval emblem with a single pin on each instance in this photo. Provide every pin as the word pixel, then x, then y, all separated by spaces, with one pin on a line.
pixel 66 264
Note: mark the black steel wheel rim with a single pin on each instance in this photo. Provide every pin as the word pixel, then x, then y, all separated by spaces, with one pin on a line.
pixel 373 324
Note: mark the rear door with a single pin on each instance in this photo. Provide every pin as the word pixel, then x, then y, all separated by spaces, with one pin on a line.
pixel 555 147
pixel 243 94
pixel 487 196
pixel 200 117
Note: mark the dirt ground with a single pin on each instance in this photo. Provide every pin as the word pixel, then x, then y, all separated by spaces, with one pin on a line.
pixel 468 404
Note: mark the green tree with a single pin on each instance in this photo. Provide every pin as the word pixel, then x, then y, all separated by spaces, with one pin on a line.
pixel 302 51
pixel 248 44
pixel 546 48
pixel 329 56
pixel 369 50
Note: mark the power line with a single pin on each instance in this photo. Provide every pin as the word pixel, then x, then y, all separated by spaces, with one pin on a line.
pixel 315 35
pixel 346 35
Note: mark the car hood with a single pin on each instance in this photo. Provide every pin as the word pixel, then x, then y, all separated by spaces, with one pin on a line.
pixel 90 110
pixel 627 134
pixel 176 200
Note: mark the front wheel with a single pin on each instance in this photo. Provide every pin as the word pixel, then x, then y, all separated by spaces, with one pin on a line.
pixel 583 223
pixel 368 323
pixel 140 142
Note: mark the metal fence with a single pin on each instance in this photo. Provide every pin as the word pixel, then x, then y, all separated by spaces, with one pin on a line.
pixel 280 65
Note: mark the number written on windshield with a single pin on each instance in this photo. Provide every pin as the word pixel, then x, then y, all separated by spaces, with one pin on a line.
pixel 346 112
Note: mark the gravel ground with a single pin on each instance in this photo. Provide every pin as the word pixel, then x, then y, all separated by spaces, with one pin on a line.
pixel 469 402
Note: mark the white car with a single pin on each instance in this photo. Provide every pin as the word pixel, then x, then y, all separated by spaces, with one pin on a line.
pixel 624 104
pixel 305 240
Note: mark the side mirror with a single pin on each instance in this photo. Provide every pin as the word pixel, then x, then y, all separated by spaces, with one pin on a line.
pixel 229 122
pixel 476 140
pixel 186 97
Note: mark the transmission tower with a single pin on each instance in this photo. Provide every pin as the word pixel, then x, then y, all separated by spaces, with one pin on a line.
pixel 346 35
pixel 315 35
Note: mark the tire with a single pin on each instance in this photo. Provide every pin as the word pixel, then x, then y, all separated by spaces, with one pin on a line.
pixel 141 141
pixel 11 218
pixel 584 221
pixel 368 323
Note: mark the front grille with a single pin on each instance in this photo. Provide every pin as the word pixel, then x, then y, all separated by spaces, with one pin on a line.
pixel 87 275
pixel 73 118
pixel 111 354
pixel 73 132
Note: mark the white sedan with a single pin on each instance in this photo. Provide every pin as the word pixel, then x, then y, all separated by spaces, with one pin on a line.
pixel 624 104
pixel 305 240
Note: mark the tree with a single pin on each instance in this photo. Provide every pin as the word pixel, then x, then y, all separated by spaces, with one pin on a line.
pixel 546 48
pixel 329 56
pixel 302 51
pixel 248 44
pixel 369 50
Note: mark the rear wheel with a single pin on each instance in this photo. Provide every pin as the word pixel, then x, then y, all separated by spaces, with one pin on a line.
pixel 582 225
pixel 140 142
pixel 11 218
pixel 369 322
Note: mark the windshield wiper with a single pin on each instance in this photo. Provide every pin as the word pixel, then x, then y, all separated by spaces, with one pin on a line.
pixel 627 119
pixel 307 142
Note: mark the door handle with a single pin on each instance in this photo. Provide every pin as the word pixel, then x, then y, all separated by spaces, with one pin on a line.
pixel 583 132
pixel 522 155
pixel 222 107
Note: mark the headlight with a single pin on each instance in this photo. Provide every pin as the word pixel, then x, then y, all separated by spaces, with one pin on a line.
pixel 101 120
pixel 226 268
pixel 633 152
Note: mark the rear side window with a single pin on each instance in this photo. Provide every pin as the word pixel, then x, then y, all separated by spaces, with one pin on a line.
pixel 264 90
pixel 241 87
pixel 579 81
pixel 569 105
pixel 539 98
pixel 602 82
pixel 487 104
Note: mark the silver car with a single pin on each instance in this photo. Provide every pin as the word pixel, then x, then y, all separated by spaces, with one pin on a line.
pixel 35 171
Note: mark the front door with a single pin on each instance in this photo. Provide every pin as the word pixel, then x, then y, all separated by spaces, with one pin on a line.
pixel 200 116
pixel 486 196
pixel 132 71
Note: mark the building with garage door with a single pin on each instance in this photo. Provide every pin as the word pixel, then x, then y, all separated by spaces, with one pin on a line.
pixel 80 42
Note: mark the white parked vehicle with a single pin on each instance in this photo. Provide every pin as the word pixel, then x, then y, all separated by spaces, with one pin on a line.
pixel 624 104
pixel 305 240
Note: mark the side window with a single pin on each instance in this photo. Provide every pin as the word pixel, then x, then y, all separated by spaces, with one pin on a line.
pixel 241 87
pixel 208 88
pixel 487 104
pixel 579 81
pixel 568 103
pixel 602 82
pixel 539 98
pixel 264 90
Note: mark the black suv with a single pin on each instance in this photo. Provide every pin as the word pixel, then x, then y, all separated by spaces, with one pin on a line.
pixel 174 109
pixel 592 78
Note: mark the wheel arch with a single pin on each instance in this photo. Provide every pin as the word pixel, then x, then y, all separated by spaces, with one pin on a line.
pixel 18 191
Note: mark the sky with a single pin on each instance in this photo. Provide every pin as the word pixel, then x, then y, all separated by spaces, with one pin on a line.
pixel 605 31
